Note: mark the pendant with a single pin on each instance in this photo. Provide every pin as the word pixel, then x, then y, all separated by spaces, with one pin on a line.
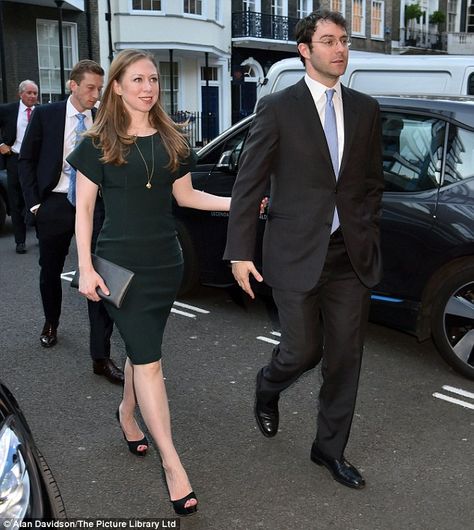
pixel 148 185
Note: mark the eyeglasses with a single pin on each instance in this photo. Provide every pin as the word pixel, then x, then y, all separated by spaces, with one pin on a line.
pixel 332 43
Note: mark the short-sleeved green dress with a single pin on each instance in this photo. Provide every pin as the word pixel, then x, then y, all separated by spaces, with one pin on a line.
pixel 139 234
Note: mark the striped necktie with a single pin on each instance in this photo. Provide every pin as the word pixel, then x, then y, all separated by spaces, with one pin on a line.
pixel 80 128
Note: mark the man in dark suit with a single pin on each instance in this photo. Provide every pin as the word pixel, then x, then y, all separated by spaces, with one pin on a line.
pixel 319 145
pixel 48 183
pixel 14 118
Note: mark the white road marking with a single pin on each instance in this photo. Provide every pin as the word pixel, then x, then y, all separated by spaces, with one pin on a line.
pixel 266 339
pixel 182 313
pixel 276 333
pixel 192 307
pixel 68 276
pixel 458 391
pixel 454 400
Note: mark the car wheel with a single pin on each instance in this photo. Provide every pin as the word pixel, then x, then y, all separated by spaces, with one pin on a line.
pixel 3 213
pixel 452 319
pixel 191 262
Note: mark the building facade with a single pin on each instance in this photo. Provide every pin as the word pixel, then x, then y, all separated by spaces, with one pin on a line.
pixel 29 43
pixel 190 40
pixel 263 33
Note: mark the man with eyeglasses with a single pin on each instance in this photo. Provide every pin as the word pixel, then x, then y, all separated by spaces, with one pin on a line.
pixel 319 145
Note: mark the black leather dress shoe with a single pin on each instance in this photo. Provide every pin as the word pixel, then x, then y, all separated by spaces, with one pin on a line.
pixel 341 470
pixel 267 416
pixel 48 337
pixel 267 421
pixel 20 248
pixel 109 370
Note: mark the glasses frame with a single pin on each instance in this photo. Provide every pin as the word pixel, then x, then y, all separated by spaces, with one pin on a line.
pixel 333 43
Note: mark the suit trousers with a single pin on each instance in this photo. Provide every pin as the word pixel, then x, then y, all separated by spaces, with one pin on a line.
pixel 15 198
pixel 54 220
pixel 101 325
pixel 327 323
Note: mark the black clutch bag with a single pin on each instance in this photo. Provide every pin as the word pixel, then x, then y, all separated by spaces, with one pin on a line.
pixel 116 278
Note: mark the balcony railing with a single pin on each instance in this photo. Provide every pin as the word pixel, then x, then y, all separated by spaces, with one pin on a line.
pixel 423 39
pixel 263 26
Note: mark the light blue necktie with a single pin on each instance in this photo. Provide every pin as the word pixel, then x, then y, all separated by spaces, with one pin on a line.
pixel 330 130
pixel 80 128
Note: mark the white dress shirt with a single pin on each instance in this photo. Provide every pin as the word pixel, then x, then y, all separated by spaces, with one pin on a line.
pixel 318 92
pixel 70 142
pixel 21 124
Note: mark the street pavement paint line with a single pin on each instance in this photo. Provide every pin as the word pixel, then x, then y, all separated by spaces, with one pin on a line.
pixel 182 313
pixel 276 333
pixel 266 339
pixel 454 400
pixel 68 276
pixel 192 307
pixel 458 391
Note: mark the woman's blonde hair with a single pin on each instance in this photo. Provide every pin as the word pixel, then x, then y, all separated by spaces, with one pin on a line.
pixel 110 129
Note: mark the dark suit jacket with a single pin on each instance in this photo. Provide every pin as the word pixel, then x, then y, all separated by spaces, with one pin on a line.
pixel 8 119
pixel 286 145
pixel 41 154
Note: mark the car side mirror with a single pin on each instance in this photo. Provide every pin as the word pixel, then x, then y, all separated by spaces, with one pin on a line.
pixel 227 161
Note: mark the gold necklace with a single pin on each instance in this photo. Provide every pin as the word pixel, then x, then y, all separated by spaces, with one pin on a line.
pixel 149 175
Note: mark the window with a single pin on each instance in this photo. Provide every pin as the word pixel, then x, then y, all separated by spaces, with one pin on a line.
pixel 248 5
pixel 459 155
pixel 377 21
pixel 304 8
pixel 358 17
pixel 165 87
pixel 338 5
pixel 277 7
pixel 47 32
pixel 192 7
pixel 146 5
pixel 218 13
pixel 212 72
pixel 412 152
pixel 452 16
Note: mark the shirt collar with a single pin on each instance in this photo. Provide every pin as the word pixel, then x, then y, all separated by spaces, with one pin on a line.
pixel 72 111
pixel 23 107
pixel 318 90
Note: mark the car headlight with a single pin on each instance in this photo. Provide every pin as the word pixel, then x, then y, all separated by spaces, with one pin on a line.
pixel 14 477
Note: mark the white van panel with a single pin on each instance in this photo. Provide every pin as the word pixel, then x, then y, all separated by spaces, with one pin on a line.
pixel 400 82
pixel 375 73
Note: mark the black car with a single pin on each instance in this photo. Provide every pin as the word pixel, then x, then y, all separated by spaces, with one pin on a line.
pixel 427 223
pixel 28 490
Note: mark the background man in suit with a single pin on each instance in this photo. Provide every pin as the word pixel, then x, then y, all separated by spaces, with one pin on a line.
pixel 321 153
pixel 48 184
pixel 14 118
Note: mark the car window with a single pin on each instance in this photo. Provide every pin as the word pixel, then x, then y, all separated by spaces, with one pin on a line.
pixel 459 155
pixel 412 151
pixel 228 152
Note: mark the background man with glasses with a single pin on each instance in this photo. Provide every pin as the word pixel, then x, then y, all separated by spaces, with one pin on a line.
pixel 319 144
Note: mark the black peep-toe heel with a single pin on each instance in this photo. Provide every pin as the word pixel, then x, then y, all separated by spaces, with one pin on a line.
pixel 133 446
pixel 179 505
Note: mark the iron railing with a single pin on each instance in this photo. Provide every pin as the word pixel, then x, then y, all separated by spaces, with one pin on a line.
pixel 423 39
pixel 263 26
pixel 199 128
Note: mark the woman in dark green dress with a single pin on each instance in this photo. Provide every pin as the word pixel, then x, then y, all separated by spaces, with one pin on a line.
pixel 139 158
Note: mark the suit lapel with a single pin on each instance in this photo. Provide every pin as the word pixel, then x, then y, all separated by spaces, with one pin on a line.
pixel 310 122
pixel 350 129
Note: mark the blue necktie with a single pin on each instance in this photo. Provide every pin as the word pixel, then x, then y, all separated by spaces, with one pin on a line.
pixel 80 128
pixel 330 130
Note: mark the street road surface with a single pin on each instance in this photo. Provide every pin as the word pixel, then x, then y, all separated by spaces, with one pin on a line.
pixel 412 436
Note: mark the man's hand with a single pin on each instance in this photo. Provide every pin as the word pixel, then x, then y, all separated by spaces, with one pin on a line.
pixel 241 271
pixel 5 149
